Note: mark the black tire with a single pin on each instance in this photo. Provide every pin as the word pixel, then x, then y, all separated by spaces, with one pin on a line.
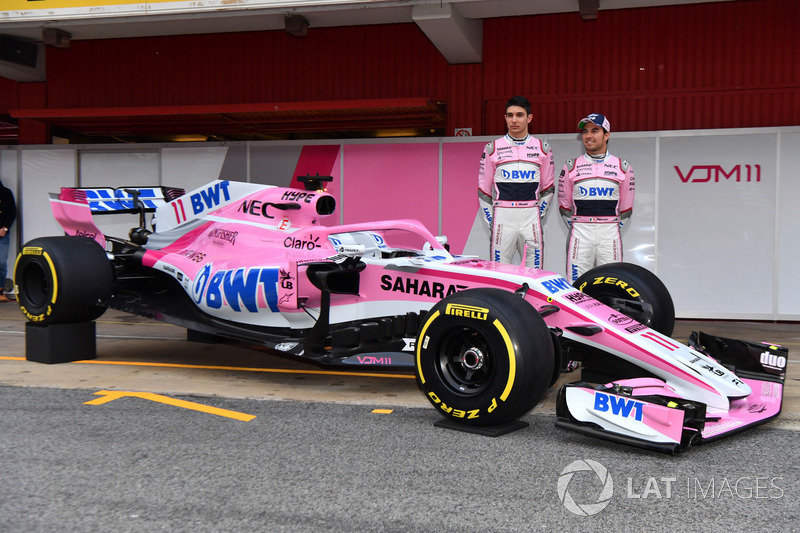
pixel 60 280
pixel 633 291
pixel 484 357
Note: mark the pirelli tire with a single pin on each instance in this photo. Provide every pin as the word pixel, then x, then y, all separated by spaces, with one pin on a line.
pixel 60 280
pixel 484 357
pixel 632 290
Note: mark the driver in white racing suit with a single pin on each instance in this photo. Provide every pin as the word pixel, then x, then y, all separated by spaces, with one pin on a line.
pixel 516 182
pixel 595 198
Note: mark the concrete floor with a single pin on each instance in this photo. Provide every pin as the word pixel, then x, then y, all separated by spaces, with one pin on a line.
pixel 142 355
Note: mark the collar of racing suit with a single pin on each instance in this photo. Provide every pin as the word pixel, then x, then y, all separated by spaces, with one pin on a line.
pixel 514 140
pixel 599 157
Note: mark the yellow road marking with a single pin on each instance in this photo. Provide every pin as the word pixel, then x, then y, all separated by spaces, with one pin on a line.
pixel 233 368
pixel 383 411
pixel 108 396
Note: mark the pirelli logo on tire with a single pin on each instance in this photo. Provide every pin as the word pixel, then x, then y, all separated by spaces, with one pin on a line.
pixel 31 250
pixel 467 311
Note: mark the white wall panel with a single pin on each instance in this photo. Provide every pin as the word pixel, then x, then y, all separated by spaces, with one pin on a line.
pixel 43 171
pixel 788 227
pixel 110 168
pixel 726 247
pixel 716 221
pixel 191 166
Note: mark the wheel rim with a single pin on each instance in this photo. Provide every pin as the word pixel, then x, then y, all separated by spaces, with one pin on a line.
pixel 36 287
pixel 465 362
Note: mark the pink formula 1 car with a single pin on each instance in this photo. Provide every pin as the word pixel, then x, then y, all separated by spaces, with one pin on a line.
pixel 253 263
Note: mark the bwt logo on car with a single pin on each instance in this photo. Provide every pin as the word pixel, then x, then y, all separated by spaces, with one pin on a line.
pixel 618 406
pixel 117 200
pixel 210 197
pixel 519 174
pixel 588 192
pixel 713 173
pixel 557 285
pixel 235 287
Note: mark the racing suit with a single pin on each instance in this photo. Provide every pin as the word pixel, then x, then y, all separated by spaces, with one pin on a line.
pixel 516 182
pixel 595 198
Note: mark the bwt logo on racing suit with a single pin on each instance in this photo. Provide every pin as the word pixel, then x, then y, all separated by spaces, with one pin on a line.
pixel 709 173
pixel 618 406
pixel 235 287
pixel 519 174
pixel 596 192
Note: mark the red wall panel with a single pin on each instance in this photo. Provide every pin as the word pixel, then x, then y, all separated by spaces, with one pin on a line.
pixel 329 64
pixel 715 65
pixel 8 95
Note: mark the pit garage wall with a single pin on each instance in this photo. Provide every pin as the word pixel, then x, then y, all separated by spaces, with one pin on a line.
pixel 714 215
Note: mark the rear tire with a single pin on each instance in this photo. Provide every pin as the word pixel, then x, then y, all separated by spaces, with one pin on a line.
pixel 484 357
pixel 60 280
pixel 632 290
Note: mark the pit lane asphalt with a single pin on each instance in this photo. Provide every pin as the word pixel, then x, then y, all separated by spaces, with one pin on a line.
pixel 341 451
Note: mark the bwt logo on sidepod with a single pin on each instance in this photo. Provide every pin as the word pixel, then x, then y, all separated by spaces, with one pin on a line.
pixel 236 287
pixel 519 174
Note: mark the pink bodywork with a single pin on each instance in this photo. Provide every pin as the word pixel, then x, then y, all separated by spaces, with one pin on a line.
pixel 252 236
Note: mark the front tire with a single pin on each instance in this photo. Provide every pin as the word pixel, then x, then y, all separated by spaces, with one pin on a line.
pixel 484 357
pixel 60 280
pixel 633 291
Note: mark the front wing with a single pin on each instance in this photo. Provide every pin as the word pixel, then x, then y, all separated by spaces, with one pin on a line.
pixel 646 413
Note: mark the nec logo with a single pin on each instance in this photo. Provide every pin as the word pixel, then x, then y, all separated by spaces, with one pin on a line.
pixel 715 173
pixel 519 174
pixel 596 191
pixel 618 406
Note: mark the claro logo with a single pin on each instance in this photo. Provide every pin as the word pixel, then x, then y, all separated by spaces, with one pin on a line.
pixel 717 173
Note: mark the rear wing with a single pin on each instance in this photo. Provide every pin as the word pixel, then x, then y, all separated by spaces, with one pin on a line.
pixel 107 200
pixel 74 207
